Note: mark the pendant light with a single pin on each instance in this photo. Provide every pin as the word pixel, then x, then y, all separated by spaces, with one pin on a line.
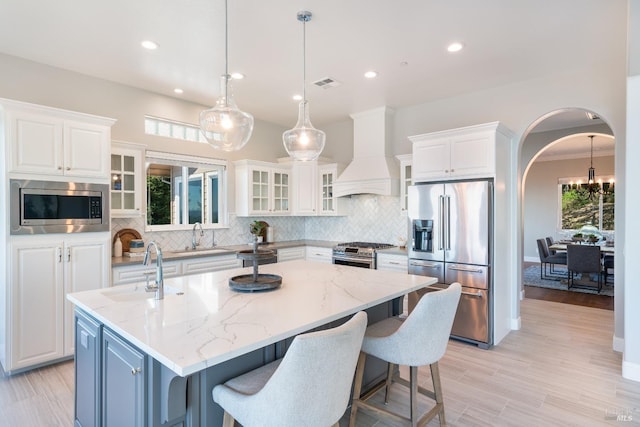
pixel 225 126
pixel 595 188
pixel 304 142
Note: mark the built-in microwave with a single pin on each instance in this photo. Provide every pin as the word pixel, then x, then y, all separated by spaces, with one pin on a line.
pixel 38 207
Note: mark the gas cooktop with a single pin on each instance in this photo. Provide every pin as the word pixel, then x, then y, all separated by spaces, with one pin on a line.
pixel 366 245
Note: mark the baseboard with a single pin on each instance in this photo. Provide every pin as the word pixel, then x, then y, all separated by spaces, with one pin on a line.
pixel 631 371
pixel 516 323
pixel 618 344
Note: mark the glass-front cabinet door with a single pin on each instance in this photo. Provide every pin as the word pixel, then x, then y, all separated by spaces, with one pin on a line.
pixel 260 190
pixel 280 192
pixel 125 181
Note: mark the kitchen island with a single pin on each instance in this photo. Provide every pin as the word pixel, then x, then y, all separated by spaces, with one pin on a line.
pixel 141 361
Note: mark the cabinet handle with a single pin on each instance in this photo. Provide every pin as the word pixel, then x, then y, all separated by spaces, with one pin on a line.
pixel 135 371
pixel 68 254
pixel 394 262
pixel 59 255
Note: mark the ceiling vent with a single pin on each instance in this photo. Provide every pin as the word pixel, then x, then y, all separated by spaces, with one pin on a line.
pixel 327 82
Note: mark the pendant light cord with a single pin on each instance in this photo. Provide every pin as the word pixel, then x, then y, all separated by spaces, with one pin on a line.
pixel 304 60
pixel 226 53
pixel 591 150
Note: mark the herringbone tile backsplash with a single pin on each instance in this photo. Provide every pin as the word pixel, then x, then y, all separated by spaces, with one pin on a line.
pixel 372 218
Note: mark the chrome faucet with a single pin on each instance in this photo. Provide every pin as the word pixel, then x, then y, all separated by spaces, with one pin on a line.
pixel 195 243
pixel 158 288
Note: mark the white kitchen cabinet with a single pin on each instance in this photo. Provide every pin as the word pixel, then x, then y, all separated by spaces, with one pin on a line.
pixel 328 203
pixel 392 262
pixel 406 161
pixel 304 181
pixel 126 180
pixel 43 271
pixel 290 254
pixel 319 254
pixel 262 188
pixel 468 152
pixel 138 272
pixel 208 264
pixel 49 141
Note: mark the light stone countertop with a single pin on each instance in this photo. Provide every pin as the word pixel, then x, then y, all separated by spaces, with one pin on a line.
pixel 210 323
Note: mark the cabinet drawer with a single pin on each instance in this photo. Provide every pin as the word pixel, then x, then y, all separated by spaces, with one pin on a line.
pixel 216 263
pixel 138 273
pixel 314 253
pixel 392 262
pixel 289 254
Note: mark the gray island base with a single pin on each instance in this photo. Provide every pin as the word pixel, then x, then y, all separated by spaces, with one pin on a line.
pixel 143 362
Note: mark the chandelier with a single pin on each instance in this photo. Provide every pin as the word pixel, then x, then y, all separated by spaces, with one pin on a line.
pixel 225 126
pixel 304 142
pixel 596 188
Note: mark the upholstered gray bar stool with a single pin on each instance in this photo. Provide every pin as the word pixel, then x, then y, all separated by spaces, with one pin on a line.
pixel 309 386
pixel 421 339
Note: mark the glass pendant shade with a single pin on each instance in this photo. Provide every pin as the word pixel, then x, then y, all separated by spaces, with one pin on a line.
pixel 304 142
pixel 224 126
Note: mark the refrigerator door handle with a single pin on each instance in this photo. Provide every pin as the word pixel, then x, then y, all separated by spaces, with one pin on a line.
pixel 466 269
pixel 473 294
pixel 441 209
pixel 448 220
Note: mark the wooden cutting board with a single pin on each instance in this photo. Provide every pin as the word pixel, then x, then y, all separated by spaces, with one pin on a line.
pixel 126 234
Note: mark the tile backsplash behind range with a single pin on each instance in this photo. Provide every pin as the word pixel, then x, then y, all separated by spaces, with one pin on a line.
pixel 372 219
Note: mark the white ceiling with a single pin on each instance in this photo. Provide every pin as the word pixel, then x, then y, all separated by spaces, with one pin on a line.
pixel 505 41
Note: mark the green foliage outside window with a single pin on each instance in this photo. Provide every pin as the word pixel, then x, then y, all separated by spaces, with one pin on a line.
pixel 580 208
pixel 159 203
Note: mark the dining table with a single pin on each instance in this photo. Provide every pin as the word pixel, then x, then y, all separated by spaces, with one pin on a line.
pixel 562 246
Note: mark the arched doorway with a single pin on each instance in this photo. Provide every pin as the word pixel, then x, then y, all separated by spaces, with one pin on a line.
pixel 569 126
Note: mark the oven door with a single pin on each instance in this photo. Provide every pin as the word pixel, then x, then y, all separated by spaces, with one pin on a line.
pixel 354 261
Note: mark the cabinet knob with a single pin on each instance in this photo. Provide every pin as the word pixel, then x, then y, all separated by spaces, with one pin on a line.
pixel 452 171
pixel 446 171
pixel 68 168
pixel 135 371
pixel 59 168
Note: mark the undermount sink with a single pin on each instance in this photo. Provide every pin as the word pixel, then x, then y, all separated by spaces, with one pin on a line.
pixel 137 293
pixel 200 251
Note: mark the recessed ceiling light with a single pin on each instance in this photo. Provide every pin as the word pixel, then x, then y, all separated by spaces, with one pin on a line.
pixel 297 97
pixel 237 76
pixel 148 44
pixel 178 91
pixel 371 74
pixel 455 47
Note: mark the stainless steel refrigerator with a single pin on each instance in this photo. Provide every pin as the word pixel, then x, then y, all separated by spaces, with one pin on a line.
pixel 450 229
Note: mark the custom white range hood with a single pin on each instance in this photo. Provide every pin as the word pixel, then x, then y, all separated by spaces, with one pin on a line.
pixel 373 170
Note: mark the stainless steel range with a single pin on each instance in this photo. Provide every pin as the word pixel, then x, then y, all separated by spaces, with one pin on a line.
pixel 358 254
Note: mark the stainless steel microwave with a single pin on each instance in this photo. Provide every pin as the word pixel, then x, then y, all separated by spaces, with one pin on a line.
pixel 39 207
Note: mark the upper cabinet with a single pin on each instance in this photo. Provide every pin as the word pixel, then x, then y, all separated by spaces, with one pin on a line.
pixel 48 141
pixel 328 203
pixel 262 188
pixel 406 161
pixel 304 180
pixel 126 179
pixel 468 152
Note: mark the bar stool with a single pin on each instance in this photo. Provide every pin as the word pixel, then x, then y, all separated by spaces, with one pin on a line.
pixel 421 339
pixel 309 386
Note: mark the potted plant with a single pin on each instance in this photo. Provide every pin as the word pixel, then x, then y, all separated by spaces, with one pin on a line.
pixel 592 238
pixel 577 237
pixel 257 229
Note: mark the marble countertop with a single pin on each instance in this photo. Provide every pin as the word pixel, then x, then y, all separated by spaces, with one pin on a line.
pixel 201 322
pixel 175 254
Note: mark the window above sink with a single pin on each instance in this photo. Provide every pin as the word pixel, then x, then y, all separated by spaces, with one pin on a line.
pixel 183 190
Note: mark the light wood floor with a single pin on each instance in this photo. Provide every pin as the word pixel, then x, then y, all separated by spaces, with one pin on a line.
pixel 558 370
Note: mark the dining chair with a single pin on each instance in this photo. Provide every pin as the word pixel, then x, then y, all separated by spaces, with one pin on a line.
pixel 607 264
pixel 546 258
pixel 310 386
pixel 584 259
pixel 419 340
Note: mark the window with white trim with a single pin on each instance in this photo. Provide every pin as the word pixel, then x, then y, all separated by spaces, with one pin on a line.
pixel 579 207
